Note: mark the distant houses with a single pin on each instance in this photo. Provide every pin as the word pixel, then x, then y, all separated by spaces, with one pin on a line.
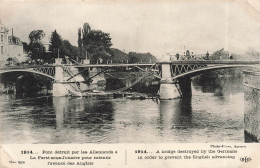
pixel 11 46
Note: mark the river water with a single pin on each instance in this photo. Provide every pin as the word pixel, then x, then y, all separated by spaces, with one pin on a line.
pixel 215 113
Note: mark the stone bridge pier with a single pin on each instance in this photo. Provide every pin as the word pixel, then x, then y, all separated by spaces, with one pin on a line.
pixel 170 89
pixel 60 88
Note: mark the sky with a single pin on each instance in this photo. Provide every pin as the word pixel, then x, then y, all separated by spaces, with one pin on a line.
pixel 157 27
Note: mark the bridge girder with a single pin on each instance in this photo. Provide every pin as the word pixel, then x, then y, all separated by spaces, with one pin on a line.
pixel 44 71
pixel 195 69
pixel 178 68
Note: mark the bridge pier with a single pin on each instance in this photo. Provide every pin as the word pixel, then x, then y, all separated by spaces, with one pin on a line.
pixel 59 87
pixel 252 106
pixel 185 86
pixel 168 89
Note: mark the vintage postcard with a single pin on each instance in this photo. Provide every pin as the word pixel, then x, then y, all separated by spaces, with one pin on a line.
pixel 129 83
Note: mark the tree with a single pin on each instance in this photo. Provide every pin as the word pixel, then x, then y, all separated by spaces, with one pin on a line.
pixel 36 36
pixel 97 44
pixel 220 54
pixel 133 57
pixel 35 47
pixel 69 50
pixel 119 56
pixel 85 32
pixel 207 55
pixel 56 45
pixel 80 43
pixel 62 47
pixel 25 47
pixel 141 57
pixel 94 44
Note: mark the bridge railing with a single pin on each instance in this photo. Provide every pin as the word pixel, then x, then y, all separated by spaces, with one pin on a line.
pixel 211 62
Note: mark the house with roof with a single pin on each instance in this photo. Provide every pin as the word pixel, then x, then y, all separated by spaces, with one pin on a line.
pixel 11 46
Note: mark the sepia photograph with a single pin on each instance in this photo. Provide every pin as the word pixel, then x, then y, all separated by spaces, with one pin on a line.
pixel 113 72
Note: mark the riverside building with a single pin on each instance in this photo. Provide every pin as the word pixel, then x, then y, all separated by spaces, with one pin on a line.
pixel 11 46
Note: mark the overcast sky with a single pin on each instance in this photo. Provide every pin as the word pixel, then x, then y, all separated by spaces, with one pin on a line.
pixel 142 26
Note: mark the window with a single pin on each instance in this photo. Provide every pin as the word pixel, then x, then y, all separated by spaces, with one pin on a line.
pixel 2 38
pixel 2 49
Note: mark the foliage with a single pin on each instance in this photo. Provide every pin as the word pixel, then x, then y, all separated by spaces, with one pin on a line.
pixel 131 57
pixel 56 45
pixel 36 36
pixel 35 47
pixel 94 44
pixel 25 47
pixel 97 44
pixel 31 83
pixel 28 83
pixel 207 55
pixel 69 50
pixel 80 44
pixel 119 56
pixel 85 31
pixel 141 57
pixel 62 47
pixel 220 54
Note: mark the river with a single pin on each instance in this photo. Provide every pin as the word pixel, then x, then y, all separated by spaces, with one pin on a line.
pixel 215 113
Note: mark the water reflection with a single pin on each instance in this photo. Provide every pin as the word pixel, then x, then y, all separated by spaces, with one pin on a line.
pixel 88 118
pixel 220 85
pixel 206 117
pixel 175 113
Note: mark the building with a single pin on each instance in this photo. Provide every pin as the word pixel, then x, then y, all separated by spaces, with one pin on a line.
pixel 10 46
